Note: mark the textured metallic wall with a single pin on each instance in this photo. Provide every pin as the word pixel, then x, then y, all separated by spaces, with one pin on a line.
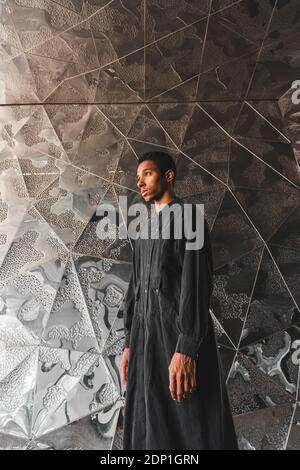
pixel 86 86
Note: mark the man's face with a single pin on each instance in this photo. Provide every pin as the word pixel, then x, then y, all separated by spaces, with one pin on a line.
pixel 149 180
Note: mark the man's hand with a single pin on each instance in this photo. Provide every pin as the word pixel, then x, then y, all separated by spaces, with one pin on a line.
pixel 182 376
pixel 124 366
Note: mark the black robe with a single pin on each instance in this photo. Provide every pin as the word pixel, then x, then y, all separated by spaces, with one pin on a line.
pixel 166 309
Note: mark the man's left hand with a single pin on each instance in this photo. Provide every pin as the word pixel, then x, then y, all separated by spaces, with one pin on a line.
pixel 182 376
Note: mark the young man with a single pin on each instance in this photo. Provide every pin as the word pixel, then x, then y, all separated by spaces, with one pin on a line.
pixel 175 390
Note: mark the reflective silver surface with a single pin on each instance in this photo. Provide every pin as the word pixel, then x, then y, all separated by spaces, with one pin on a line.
pixel 86 86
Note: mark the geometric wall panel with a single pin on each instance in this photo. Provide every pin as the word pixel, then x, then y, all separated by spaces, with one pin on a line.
pixel 86 87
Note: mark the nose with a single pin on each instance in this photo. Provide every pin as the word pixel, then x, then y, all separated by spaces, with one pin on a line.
pixel 140 183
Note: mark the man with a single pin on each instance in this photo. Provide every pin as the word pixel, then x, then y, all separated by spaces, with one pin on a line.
pixel 175 390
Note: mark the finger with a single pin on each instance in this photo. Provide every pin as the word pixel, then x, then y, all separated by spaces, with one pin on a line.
pixel 172 385
pixel 125 373
pixel 187 384
pixel 123 377
pixel 193 379
pixel 179 387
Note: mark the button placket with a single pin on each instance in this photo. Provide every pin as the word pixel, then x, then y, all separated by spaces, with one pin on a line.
pixel 148 277
pixel 151 241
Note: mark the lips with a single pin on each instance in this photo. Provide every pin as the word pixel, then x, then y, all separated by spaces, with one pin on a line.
pixel 145 191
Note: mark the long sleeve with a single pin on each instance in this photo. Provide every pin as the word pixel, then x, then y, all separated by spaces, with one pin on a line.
pixel 129 304
pixel 196 289
pixel 128 310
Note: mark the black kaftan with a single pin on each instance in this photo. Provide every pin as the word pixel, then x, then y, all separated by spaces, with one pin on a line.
pixel 166 310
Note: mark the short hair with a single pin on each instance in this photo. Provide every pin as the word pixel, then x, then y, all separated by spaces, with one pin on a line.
pixel 164 161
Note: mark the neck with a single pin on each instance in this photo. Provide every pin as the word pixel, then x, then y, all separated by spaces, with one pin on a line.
pixel 166 198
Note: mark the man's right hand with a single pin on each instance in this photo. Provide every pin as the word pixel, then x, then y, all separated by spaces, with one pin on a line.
pixel 124 365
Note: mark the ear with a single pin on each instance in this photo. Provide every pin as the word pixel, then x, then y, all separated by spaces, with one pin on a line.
pixel 169 176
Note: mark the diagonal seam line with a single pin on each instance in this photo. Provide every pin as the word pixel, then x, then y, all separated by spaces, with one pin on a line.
pixel 269 122
pixel 258 57
pixel 294 411
pixel 248 150
pixel 203 47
